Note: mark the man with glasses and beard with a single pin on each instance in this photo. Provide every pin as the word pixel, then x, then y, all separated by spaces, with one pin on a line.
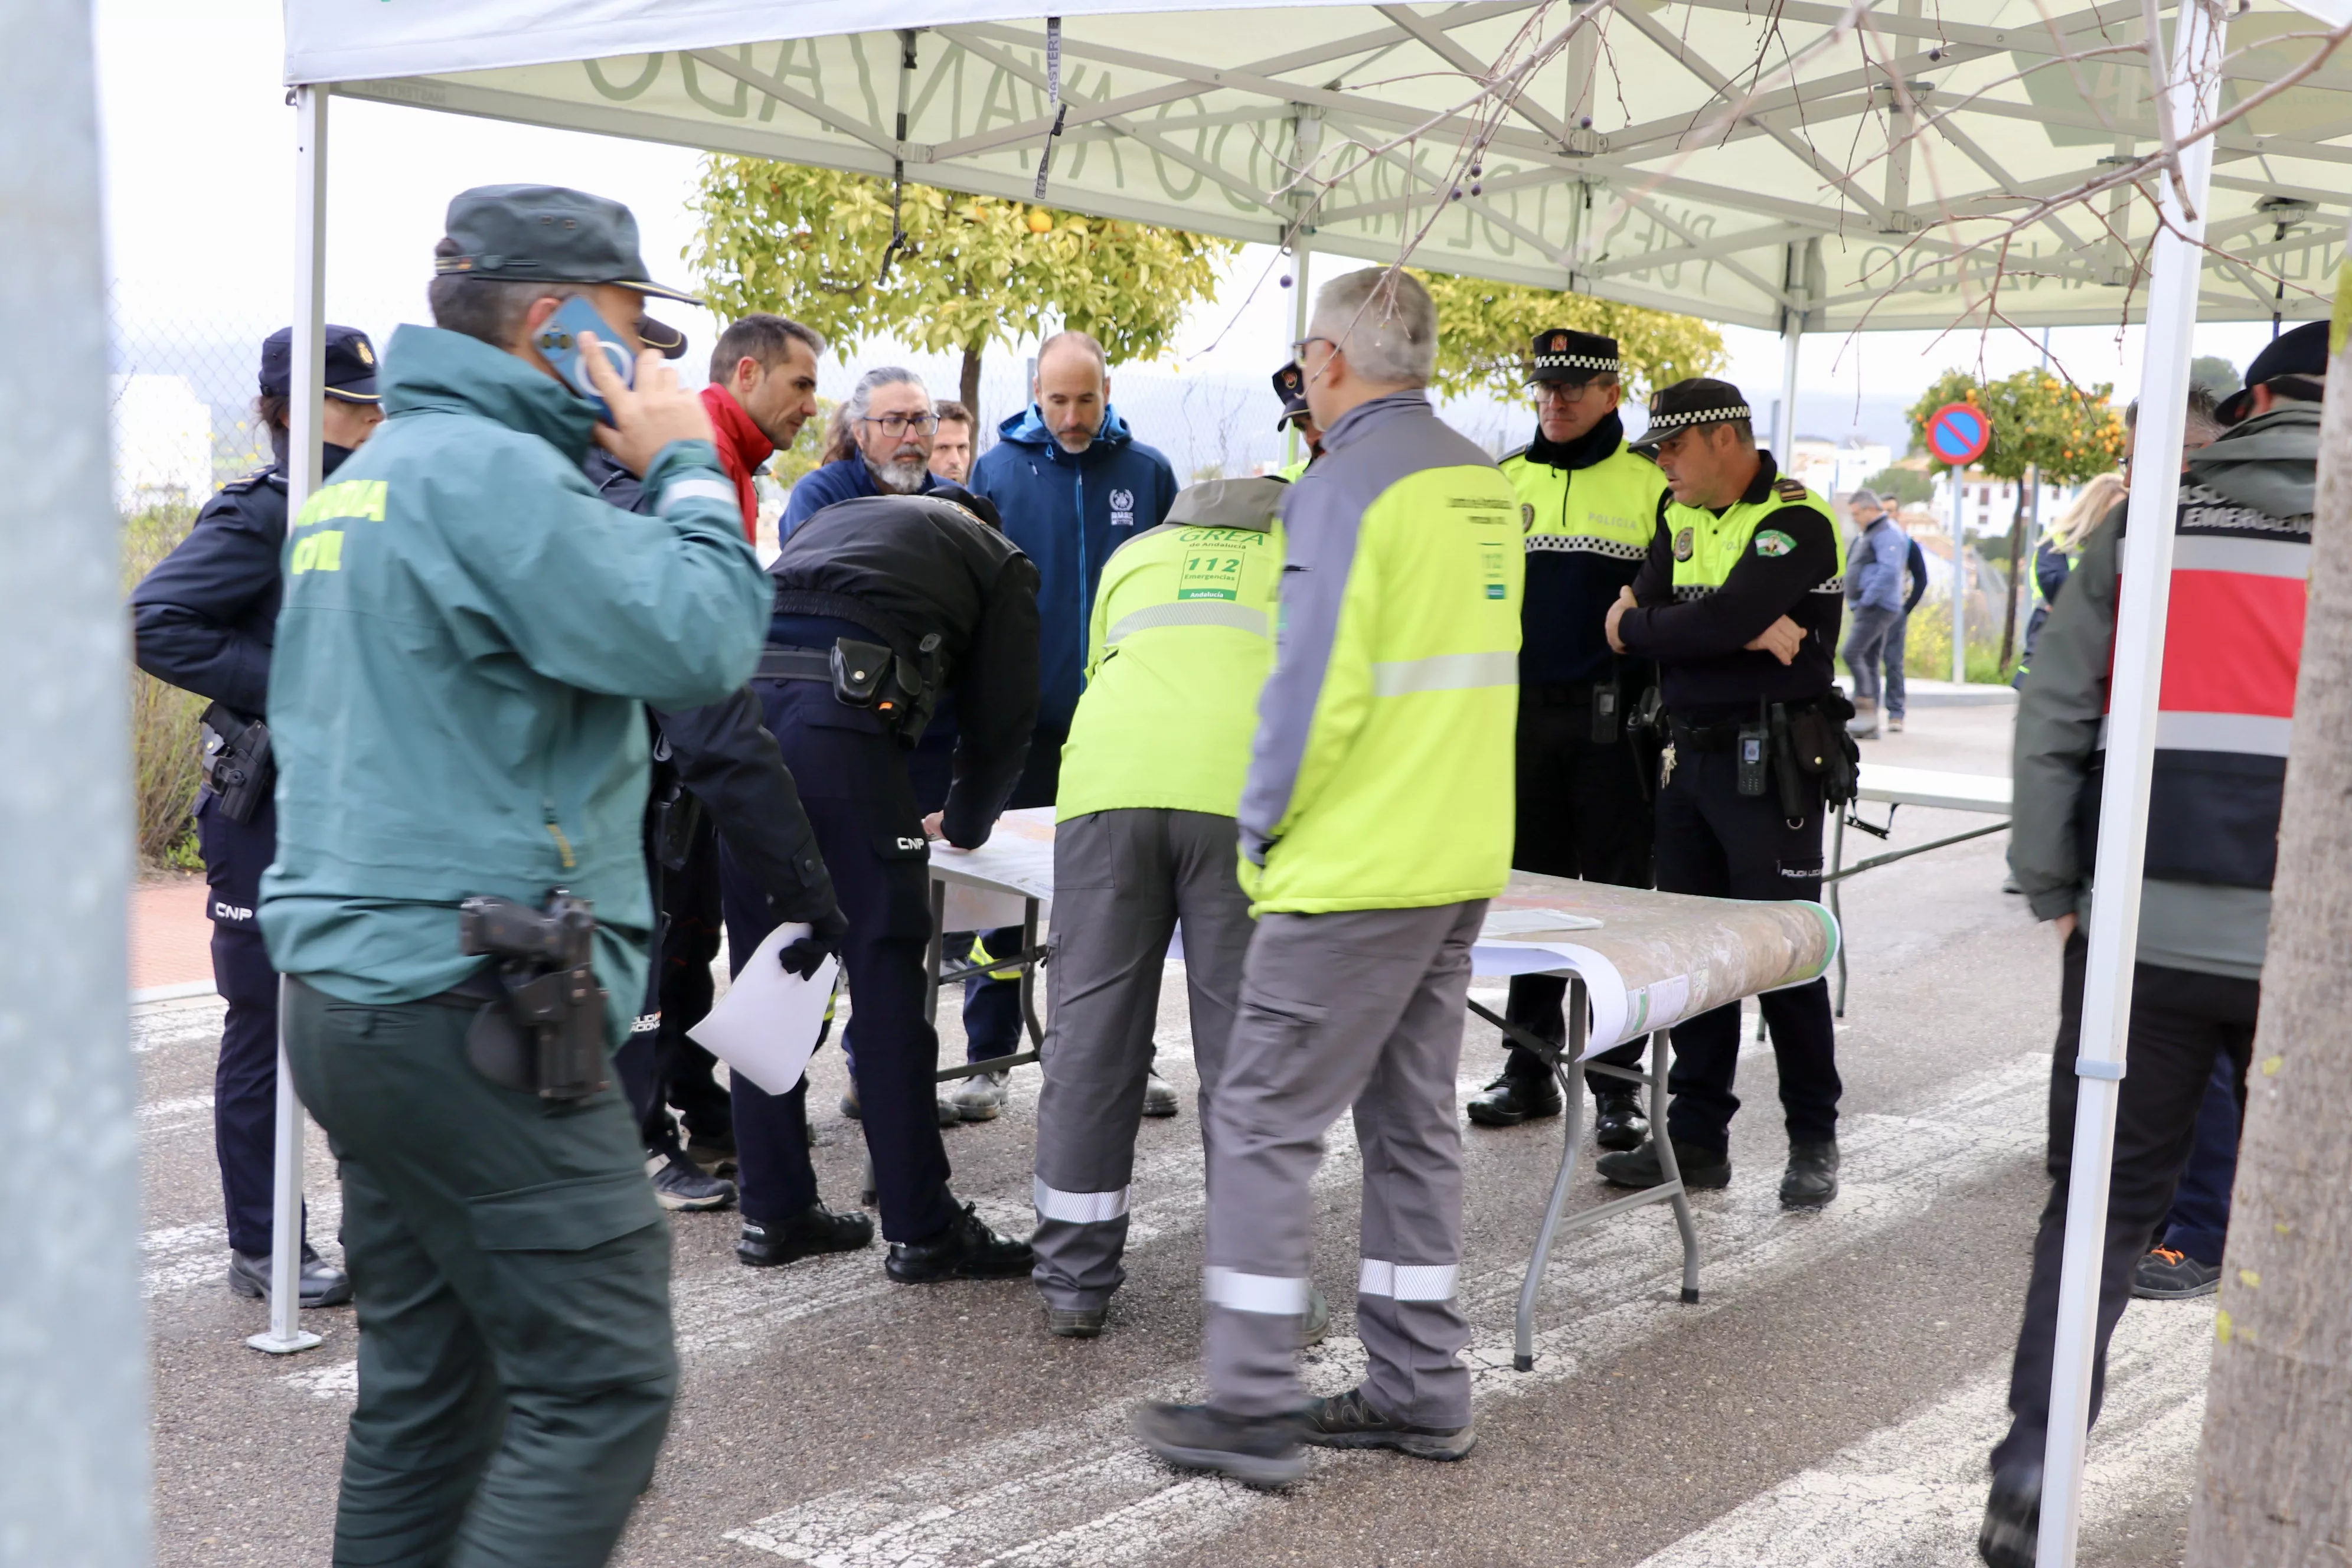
pixel 880 446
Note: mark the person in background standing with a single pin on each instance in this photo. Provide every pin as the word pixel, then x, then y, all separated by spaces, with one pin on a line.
pixel 1290 386
pixel 1875 564
pixel 204 620
pixel 880 445
pixel 762 387
pixel 1915 571
pixel 1071 484
pixel 951 443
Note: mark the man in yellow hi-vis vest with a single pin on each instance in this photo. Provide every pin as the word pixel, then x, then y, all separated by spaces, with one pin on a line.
pixel 1180 642
pixel 1375 825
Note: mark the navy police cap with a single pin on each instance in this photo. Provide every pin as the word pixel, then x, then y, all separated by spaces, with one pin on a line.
pixel 1290 386
pixel 351 364
pixel 1563 354
pixel 547 234
pixel 1701 400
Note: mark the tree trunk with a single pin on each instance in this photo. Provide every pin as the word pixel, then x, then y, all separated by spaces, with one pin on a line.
pixel 2016 551
pixel 968 389
pixel 2278 1413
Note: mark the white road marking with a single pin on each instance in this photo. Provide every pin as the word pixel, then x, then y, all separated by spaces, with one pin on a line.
pixel 176 1115
pixel 1911 1495
pixel 334 1380
pixel 1077 1492
pixel 176 1023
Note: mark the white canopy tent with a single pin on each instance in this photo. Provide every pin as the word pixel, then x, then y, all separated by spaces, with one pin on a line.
pixel 1798 166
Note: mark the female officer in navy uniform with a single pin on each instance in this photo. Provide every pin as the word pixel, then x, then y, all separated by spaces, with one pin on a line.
pixel 203 620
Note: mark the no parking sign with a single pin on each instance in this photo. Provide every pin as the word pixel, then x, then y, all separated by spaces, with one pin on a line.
pixel 1959 433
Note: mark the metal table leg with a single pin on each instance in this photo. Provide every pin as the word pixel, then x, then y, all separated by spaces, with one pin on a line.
pixel 1661 1048
pixel 1523 1340
pixel 1837 912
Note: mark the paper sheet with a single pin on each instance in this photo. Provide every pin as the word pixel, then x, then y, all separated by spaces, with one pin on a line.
pixel 766 1027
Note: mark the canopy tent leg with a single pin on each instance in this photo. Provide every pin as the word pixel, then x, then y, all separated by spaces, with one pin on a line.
pixel 286 1335
pixel 2122 821
pixel 1784 427
pixel 1300 253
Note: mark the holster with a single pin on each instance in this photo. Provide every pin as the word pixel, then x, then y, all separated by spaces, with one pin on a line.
pixel 540 1028
pixel 237 761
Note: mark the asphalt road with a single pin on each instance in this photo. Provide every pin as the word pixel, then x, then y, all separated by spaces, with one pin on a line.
pixel 1828 1401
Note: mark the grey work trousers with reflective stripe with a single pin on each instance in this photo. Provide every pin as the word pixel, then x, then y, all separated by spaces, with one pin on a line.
pixel 1122 881
pixel 1359 1008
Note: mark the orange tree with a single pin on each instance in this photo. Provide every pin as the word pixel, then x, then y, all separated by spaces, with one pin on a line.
pixel 2045 431
pixel 975 272
pixel 1483 330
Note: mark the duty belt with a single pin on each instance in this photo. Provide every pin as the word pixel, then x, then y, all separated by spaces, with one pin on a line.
pixel 1705 737
pixel 794 664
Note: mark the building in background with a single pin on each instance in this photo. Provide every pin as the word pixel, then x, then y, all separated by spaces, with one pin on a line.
pixel 1834 469
pixel 163 443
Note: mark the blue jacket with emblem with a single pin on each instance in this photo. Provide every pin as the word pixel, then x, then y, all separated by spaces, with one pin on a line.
pixel 1067 512
pixel 843 479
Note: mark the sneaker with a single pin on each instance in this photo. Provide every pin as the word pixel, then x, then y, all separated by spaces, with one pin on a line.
pixel 1075 1322
pixel 950 1115
pixel 1618 1121
pixel 1348 1421
pixel 2167 1275
pixel 1864 725
pixel 1811 1178
pixel 1894 723
pixel 813 1230
pixel 322 1284
pixel 1703 1170
pixel 849 1104
pixel 2011 1531
pixel 1159 1097
pixel 1511 1100
pixel 980 1098
pixel 681 1184
pixel 1255 1450
pixel 1317 1320
pixel 966 1249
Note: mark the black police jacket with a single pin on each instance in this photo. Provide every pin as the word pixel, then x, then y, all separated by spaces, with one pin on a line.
pixel 919 565
pixel 725 757
pixel 205 619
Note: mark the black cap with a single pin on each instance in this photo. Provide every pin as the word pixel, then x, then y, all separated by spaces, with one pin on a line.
pixel 1701 400
pixel 661 336
pixel 1290 386
pixel 1563 354
pixel 351 364
pixel 547 234
pixel 2301 352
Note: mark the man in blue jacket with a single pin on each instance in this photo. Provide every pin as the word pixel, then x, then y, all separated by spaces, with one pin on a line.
pixel 881 446
pixel 1072 484
pixel 1873 590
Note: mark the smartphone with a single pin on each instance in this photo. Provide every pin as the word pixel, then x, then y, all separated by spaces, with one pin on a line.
pixel 559 340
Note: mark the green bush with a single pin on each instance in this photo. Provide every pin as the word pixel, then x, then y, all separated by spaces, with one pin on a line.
pixel 163 743
pixel 1927 648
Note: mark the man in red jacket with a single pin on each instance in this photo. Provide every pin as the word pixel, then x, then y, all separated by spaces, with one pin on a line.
pixel 762 389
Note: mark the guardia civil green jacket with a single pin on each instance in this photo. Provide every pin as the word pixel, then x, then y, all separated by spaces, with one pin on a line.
pixel 468 635
pixel 1380 776
pixel 1179 644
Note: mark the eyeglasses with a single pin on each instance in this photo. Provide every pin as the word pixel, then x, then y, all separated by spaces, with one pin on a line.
pixel 1299 349
pixel 1561 391
pixel 901 424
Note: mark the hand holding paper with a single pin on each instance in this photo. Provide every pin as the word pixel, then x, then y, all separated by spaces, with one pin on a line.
pixel 766 1027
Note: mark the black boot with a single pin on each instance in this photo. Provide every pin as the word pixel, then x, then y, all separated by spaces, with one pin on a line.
pixel 966 1249
pixel 2012 1533
pixel 1348 1421
pixel 319 1284
pixel 1514 1098
pixel 1703 1170
pixel 1617 1120
pixel 1812 1176
pixel 813 1230
pixel 1256 1450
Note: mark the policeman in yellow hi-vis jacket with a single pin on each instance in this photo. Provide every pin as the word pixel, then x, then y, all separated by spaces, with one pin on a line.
pixel 1180 641
pixel 1588 504
pixel 1739 604
pixel 1375 825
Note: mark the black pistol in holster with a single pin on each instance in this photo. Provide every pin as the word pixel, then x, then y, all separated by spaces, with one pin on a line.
pixel 548 1038
pixel 237 761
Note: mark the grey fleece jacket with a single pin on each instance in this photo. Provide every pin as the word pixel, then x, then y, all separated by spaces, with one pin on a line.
pixel 2268 464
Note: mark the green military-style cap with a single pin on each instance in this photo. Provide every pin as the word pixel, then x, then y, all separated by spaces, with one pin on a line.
pixel 547 234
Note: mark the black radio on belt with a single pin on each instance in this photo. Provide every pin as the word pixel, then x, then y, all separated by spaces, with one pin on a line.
pixel 1604 713
pixel 237 761
pixel 549 1038
pixel 1752 746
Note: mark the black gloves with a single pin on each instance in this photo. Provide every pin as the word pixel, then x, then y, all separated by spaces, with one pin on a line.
pixel 825 932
